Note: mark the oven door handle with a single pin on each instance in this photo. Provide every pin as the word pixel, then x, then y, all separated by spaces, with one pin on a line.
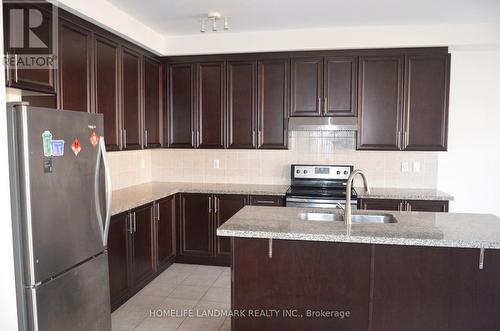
pixel 309 200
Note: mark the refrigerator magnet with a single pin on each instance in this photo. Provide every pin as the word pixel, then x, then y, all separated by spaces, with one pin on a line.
pixel 94 139
pixel 47 143
pixel 57 147
pixel 76 147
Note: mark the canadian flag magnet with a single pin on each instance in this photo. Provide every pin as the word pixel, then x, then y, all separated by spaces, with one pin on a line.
pixel 76 147
pixel 94 139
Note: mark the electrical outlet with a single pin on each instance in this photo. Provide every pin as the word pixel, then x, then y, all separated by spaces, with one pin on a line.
pixel 416 166
pixel 216 164
pixel 143 164
pixel 405 167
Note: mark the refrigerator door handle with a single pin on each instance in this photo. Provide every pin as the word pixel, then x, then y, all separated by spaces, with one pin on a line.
pixel 104 226
pixel 109 189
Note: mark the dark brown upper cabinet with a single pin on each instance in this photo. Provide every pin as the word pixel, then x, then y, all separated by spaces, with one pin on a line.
pixel 403 102
pixel 426 102
pixel 40 80
pixel 307 82
pixel 107 89
pixel 380 102
pixel 75 67
pixel 241 104
pixel 340 80
pixel 273 106
pixel 181 98
pixel 210 105
pixel 153 103
pixel 131 99
pixel 324 86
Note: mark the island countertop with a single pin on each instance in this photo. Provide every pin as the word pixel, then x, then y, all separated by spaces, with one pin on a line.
pixel 411 229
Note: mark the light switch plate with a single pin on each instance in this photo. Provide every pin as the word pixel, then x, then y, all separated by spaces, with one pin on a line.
pixel 405 167
pixel 216 164
pixel 416 166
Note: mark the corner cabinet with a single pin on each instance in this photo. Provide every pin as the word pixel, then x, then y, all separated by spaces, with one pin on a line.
pixel 403 102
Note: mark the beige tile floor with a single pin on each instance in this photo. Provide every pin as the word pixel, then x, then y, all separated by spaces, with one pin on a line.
pixel 181 297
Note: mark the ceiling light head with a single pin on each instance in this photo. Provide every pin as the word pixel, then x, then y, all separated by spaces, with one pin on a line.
pixel 212 18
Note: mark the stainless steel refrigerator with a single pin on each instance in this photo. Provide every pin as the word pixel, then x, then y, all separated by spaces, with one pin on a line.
pixel 61 199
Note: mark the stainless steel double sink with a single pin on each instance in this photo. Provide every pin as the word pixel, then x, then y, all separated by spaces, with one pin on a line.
pixel 356 219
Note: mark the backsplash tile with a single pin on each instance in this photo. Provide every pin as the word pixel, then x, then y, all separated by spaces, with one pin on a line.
pixel 273 166
pixel 126 168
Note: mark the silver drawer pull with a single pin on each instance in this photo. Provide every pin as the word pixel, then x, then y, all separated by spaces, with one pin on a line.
pixel 265 201
pixel 270 253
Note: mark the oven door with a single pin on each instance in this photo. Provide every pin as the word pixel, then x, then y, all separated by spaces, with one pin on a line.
pixel 309 202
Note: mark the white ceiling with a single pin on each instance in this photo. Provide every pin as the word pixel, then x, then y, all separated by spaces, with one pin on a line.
pixel 182 17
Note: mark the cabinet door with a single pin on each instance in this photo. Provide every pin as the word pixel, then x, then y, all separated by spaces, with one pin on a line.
pixel 142 253
pixel 381 204
pixel 75 51
pixel 340 86
pixel 426 102
pixel 226 205
pixel 380 102
pixel 273 107
pixel 16 45
pixel 428 205
pixel 241 111
pixel 210 105
pixel 106 73
pixel 118 258
pixel 307 86
pixel 165 230
pixel 181 105
pixel 195 230
pixel 267 200
pixel 153 106
pixel 131 99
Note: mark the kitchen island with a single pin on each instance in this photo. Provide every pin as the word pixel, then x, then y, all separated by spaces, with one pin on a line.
pixel 427 271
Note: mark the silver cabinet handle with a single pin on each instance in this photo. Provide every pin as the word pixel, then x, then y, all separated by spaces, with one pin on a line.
pixel 157 211
pixel 124 138
pixel 319 106
pixel 481 258
pixel 135 223
pixel 216 202
pixel 408 206
pixel 325 106
pixel 192 137
pixel 406 138
pixel 253 137
pixel 15 68
pixel 145 138
pixel 131 227
pixel 209 204
pixel 7 68
pixel 265 201
pixel 401 206
pixel 399 139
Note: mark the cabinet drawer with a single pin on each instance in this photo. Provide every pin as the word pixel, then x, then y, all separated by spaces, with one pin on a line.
pixel 266 200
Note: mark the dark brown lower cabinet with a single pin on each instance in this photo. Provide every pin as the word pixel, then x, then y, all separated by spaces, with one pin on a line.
pixel 199 217
pixel 118 258
pixel 226 205
pixel 165 231
pixel 382 287
pixel 143 266
pixel 437 206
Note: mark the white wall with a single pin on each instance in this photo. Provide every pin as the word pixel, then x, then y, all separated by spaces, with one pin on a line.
pixel 334 38
pixel 8 308
pixel 106 15
pixel 470 170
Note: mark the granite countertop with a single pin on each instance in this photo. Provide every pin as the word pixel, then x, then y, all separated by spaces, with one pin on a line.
pixel 134 196
pixel 412 228
pixel 403 194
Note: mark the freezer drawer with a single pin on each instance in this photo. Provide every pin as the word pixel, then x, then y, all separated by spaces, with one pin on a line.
pixel 77 300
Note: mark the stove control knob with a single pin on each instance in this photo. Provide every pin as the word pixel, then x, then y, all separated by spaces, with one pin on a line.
pixel 305 171
pixel 298 171
pixel 338 172
pixel 346 172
